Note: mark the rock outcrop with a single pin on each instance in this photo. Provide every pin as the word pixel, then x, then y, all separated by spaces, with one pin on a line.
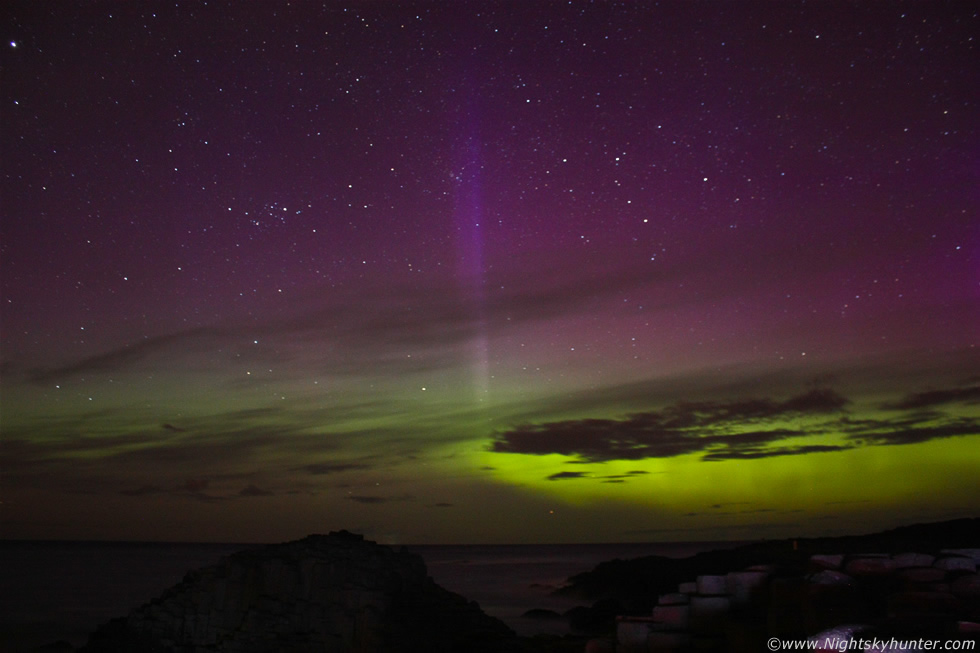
pixel 634 585
pixel 922 582
pixel 840 598
pixel 334 593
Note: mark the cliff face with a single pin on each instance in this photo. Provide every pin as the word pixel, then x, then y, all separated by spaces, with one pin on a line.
pixel 334 593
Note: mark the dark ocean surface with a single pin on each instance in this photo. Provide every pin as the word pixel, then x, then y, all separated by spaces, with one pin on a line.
pixel 51 591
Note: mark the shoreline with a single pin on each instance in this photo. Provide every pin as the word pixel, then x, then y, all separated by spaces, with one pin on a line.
pixel 632 588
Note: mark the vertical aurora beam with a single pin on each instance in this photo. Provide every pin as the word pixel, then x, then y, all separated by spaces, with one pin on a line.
pixel 468 224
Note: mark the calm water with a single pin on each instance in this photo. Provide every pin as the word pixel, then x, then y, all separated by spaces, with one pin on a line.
pixel 53 591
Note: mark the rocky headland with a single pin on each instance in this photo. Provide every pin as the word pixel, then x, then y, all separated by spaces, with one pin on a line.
pixel 336 593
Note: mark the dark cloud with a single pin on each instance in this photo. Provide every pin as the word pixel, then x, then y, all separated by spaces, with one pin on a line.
pixel 320 469
pixel 748 453
pixel 909 431
pixel 195 485
pixel 715 528
pixel 371 327
pixel 689 415
pixel 374 326
pixel 202 497
pixel 64 439
pixel 714 428
pixel 732 509
pixel 85 440
pixel 437 313
pixel 738 430
pixel 565 475
pixel 932 398
pixel 94 445
pixel 610 478
pixel 253 491
pixel 869 377
pixel 128 355
pixel 444 505
pixel 194 488
pixel 142 491
pixel 375 500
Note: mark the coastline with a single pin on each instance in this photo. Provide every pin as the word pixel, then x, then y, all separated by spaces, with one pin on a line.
pixel 632 587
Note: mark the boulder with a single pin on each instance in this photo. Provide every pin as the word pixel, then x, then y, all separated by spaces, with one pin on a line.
pixel 830 577
pixel 822 561
pixel 836 638
pixel 666 641
pixel 870 566
pixel 831 603
pixel 965 553
pixel 745 586
pixel 911 603
pixel 632 633
pixel 712 585
pixel 675 598
pixel 922 575
pixel 600 646
pixel 708 613
pixel 956 563
pixel 967 586
pixel 905 560
pixel 672 617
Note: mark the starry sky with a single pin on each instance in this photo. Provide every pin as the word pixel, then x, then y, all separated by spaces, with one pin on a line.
pixel 488 272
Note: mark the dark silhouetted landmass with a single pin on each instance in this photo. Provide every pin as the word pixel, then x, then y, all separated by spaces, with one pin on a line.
pixel 637 582
pixel 333 592
pixel 912 581
pixel 340 593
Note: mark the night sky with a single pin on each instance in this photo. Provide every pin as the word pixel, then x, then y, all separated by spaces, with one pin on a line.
pixel 488 271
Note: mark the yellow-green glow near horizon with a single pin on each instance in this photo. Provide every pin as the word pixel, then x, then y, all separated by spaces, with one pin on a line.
pixel 915 479
pixel 911 475
pixel 348 456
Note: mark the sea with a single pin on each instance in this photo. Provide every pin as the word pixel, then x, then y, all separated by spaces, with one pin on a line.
pixel 62 591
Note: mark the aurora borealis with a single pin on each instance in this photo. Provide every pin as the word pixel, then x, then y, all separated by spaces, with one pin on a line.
pixel 487 272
